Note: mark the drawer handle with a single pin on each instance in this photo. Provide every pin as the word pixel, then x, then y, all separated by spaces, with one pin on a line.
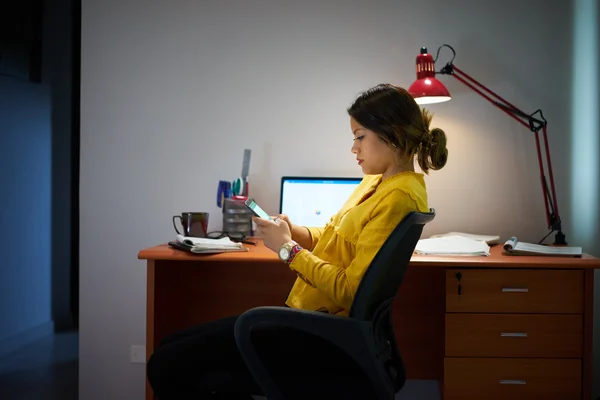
pixel 513 382
pixel 514 290
pixel 513 334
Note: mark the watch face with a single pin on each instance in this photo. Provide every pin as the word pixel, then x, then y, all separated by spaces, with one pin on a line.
pixel 284 253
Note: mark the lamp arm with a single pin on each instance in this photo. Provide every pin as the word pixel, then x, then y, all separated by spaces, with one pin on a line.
pixel 534 124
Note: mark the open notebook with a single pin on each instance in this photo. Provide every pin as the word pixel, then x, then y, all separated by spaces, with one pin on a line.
pixel 207 246
pixel 514 247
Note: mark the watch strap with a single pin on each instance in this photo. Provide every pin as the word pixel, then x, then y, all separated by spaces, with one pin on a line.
pixel 293 251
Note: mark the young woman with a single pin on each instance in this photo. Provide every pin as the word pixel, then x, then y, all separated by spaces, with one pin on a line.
pixel 390 131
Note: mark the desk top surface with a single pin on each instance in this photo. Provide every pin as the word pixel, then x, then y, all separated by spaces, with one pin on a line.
pixel 259 253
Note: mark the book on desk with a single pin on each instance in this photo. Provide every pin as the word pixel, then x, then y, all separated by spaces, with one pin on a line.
pixel 205 245
pixel 514 247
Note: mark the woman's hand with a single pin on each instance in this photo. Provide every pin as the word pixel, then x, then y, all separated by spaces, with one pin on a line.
pixel 274 234
pixel 299 233
pixel 286 219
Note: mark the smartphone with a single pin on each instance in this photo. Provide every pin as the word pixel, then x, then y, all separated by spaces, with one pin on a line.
pixel 256 210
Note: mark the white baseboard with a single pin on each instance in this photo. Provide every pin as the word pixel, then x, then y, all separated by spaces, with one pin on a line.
pixel 15 342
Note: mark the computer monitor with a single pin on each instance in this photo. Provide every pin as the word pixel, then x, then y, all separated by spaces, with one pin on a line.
pixel 312 201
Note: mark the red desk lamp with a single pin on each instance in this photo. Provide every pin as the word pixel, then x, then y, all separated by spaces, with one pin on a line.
pixel 427 90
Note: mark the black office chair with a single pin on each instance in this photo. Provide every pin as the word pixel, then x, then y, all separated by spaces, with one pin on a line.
pixel 367 334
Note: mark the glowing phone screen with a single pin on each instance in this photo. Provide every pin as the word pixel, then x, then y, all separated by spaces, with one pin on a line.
pixel 251 204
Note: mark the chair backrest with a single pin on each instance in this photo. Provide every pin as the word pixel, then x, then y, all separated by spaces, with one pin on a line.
pixel 383 277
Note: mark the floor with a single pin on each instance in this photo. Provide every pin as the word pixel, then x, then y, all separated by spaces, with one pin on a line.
pixel 44 370
pixel 48 370
pixel 419 390
pixel 413 390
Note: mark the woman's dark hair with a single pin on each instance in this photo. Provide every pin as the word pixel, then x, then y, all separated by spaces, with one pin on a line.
pixel 392 113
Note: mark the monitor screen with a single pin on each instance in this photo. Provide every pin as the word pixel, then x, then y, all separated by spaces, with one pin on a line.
pixel 312 201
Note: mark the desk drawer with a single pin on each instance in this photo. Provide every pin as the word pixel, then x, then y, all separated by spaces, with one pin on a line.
pixel 510 378
pixel 516 335
pixel 514 291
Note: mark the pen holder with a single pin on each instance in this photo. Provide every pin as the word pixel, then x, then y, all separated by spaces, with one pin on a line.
pixel 237 218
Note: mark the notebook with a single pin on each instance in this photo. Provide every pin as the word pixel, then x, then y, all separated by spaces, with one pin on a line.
pixel 514 247
pixel 206 246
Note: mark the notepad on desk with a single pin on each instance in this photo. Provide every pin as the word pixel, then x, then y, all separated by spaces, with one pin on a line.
pixel 452 245
pixel 208 246
pixel 514 247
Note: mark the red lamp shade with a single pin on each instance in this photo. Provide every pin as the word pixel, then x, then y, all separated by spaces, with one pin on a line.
pixel 427 89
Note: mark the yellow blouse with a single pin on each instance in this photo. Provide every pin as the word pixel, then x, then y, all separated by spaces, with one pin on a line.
pixel 330 271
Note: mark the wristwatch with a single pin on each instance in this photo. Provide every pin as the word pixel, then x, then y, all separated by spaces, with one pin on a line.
pixel 288 250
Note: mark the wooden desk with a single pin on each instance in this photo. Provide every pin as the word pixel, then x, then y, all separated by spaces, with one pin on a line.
pixel 521 327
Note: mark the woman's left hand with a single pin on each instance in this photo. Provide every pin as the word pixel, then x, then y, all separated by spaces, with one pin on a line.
pixel 274 234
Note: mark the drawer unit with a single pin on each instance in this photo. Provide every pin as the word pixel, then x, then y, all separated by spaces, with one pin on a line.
pixel 514 291
pixel 512 378
pixel 514 335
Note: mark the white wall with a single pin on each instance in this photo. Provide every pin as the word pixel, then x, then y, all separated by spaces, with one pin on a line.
pixel 172 93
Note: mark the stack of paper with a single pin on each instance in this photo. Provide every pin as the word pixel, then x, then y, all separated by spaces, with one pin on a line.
pixel 489 239
pixel 453 245
pixel 205 246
